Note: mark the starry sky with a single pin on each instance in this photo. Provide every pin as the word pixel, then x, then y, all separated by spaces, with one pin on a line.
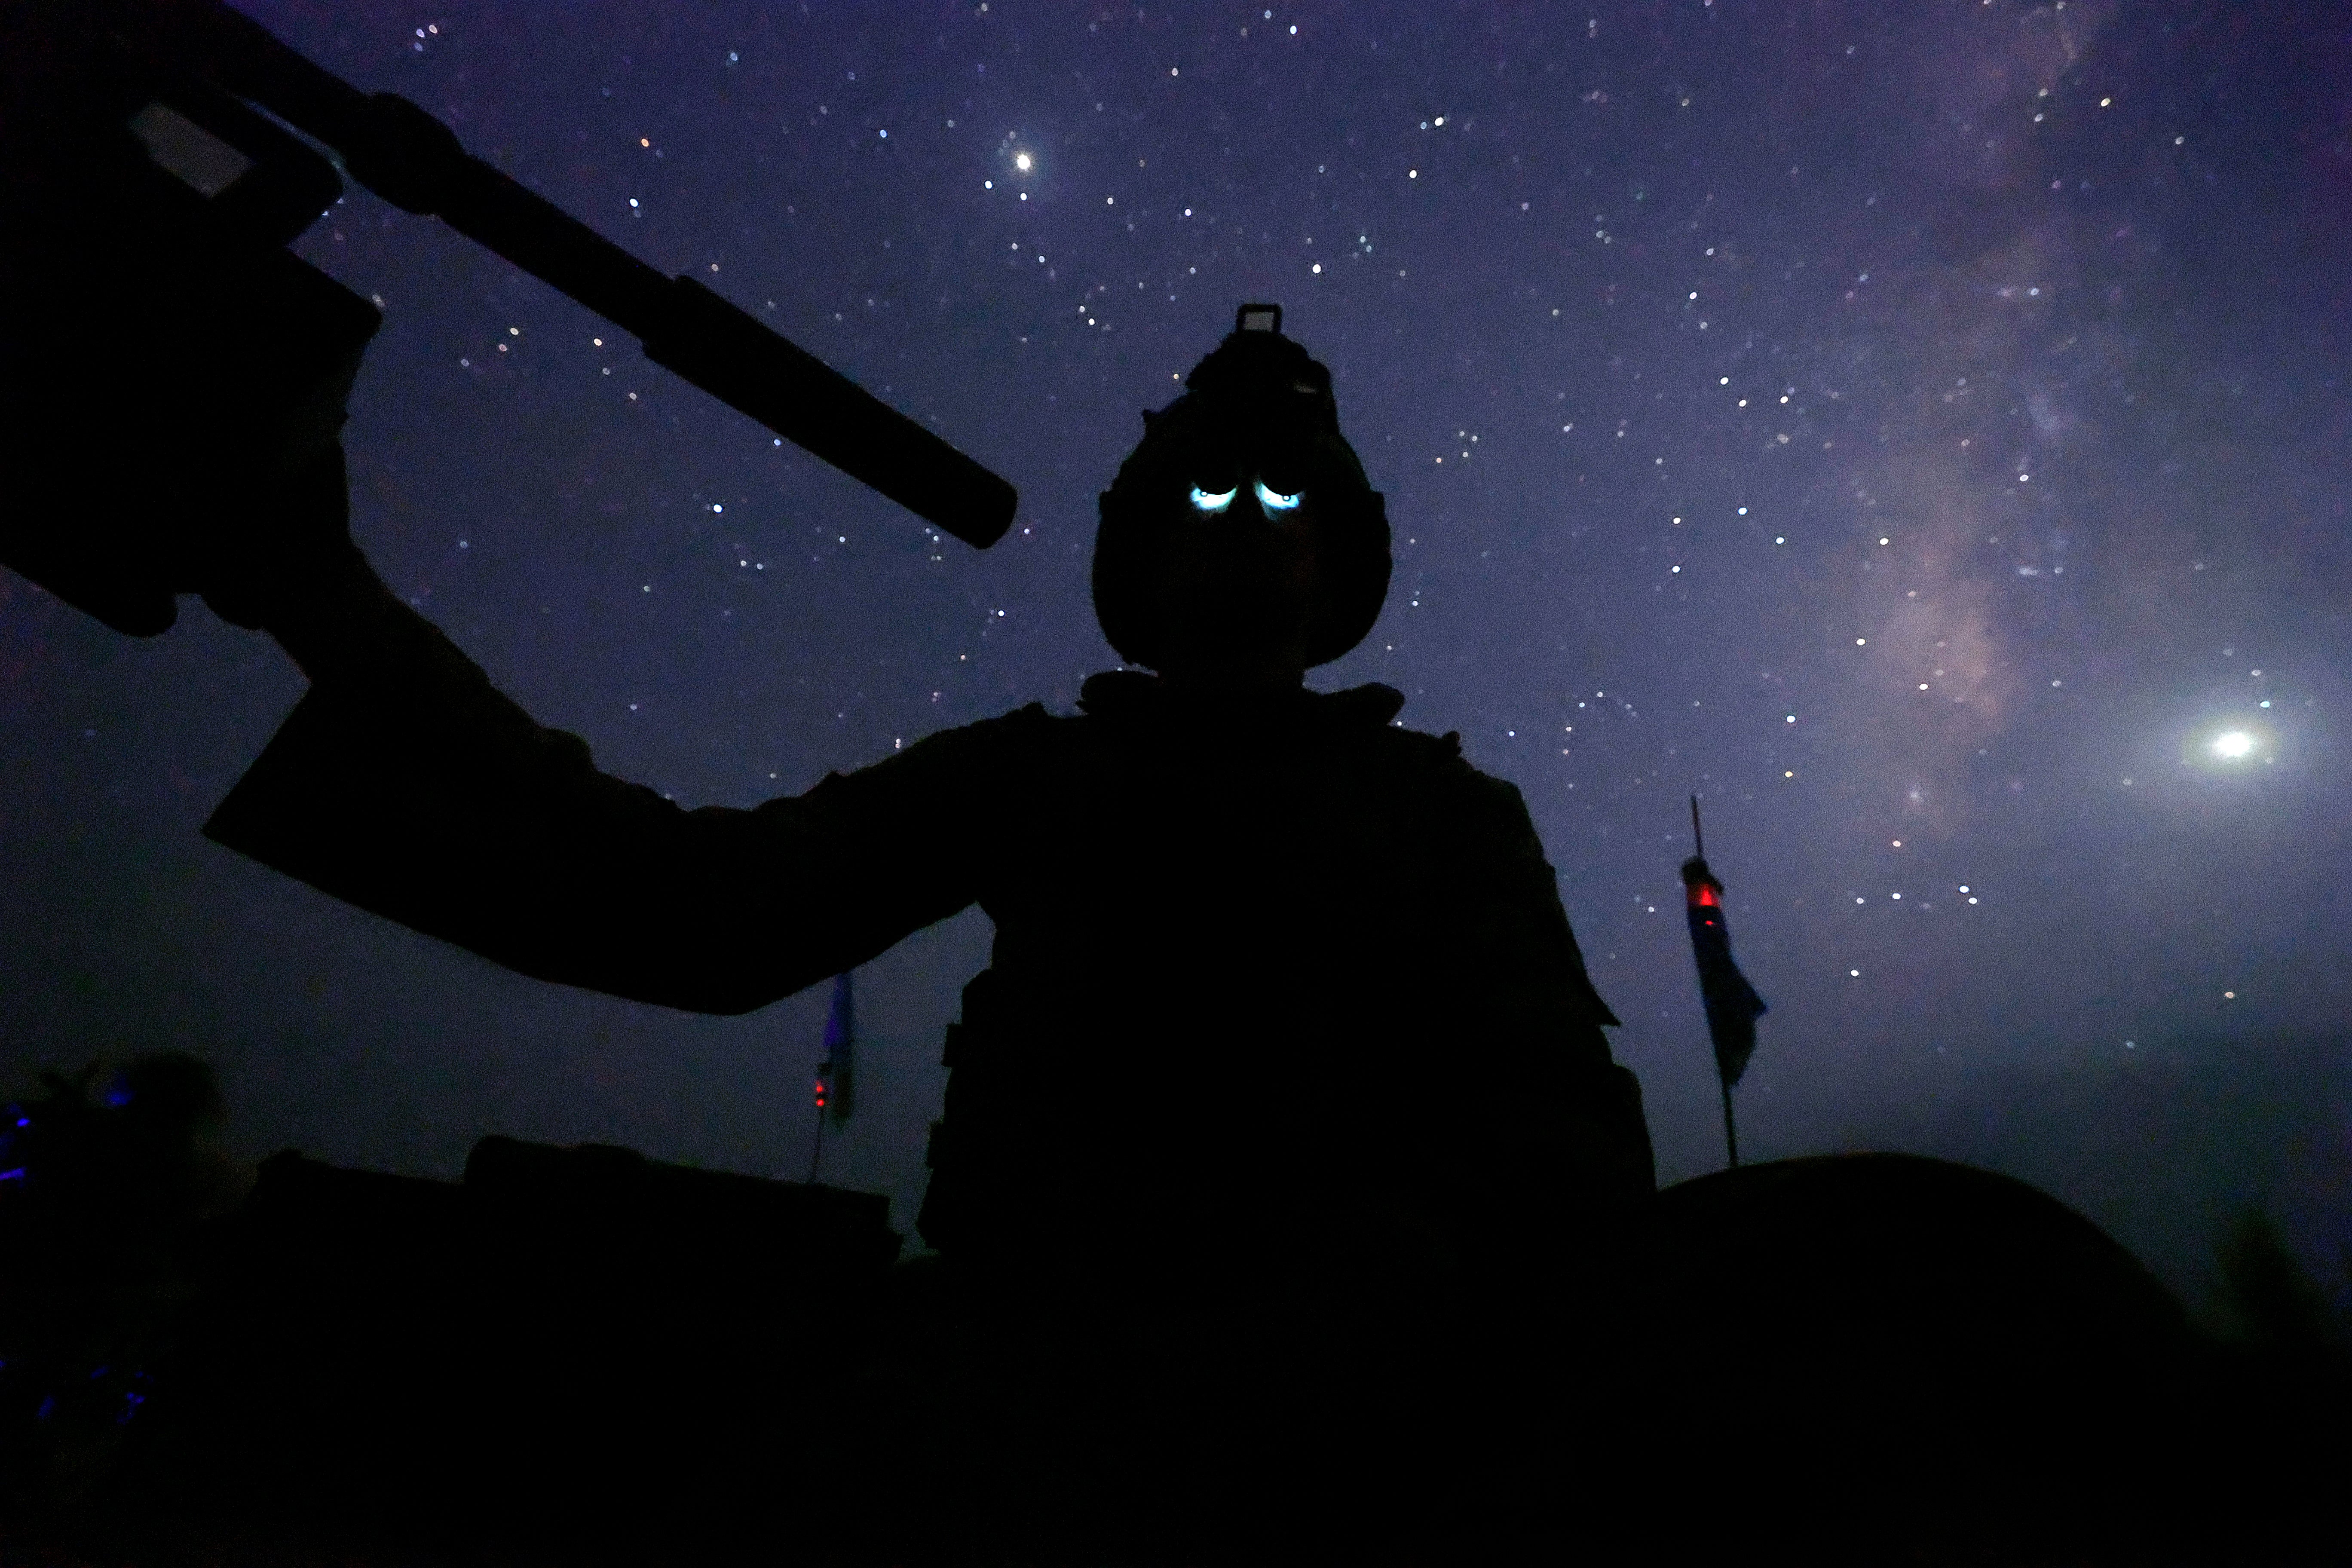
pixel 1920 431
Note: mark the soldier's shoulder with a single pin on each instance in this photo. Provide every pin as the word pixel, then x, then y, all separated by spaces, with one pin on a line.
pixel 1434 767
pixel 1437 754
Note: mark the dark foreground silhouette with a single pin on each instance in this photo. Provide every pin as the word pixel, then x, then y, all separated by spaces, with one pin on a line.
pixel 579 1355
pixel 1287 1202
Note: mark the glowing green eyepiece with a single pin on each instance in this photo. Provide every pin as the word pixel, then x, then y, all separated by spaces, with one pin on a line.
pixel 1274 502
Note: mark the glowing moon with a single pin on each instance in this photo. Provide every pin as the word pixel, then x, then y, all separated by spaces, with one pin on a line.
pixel 1021 162
pixel 2232 744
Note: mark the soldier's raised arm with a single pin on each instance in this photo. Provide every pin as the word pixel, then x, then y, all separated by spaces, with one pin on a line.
pixel 406 784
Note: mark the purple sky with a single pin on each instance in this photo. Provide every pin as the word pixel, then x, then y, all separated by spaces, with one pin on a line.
pixel 1921 431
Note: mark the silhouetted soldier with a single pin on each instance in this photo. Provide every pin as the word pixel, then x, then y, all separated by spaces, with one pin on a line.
pixel 1285 1050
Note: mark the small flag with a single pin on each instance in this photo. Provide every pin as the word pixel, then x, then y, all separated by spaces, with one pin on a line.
pixel 1732 1004
pixel 836 1082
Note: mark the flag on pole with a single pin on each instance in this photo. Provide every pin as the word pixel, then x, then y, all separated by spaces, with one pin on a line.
pixel 836 1080
pixel 1732 1004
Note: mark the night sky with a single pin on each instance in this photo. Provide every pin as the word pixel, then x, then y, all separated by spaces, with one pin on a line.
pixel 1921 431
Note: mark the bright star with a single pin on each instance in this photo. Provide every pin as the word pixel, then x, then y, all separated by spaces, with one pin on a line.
pixel 1020 160
pixel 2232 744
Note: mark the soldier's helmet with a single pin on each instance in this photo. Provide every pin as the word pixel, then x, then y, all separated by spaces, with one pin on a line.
pixel 1257 413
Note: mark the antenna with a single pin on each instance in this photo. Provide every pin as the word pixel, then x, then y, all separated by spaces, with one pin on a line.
pixel 1698 838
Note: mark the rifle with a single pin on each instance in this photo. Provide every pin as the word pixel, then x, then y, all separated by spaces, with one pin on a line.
pixel 165 358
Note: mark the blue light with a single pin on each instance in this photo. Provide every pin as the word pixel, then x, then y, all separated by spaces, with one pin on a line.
pixel 1202 501
pixel 1273 502
pixel 15 1175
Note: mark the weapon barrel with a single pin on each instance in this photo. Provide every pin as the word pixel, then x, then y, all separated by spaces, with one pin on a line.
pixel 415 161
